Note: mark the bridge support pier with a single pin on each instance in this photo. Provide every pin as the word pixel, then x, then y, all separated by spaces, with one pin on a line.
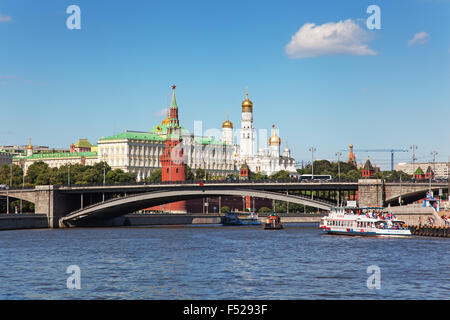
pixel 371 192
pixel 55 204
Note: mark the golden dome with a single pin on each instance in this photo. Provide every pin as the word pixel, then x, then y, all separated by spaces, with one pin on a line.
pixel 29 147
pixel 274 141
pixel 247 105
pixel 227 123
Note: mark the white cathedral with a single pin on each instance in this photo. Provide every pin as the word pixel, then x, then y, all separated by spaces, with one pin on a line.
pixel 266 160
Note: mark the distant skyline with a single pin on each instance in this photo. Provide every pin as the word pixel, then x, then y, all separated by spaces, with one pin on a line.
pixel 312 68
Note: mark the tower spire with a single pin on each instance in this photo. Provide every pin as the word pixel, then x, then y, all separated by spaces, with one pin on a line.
pixel 174 110
pixel 174 99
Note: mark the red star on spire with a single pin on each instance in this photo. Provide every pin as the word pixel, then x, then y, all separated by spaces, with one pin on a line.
pixel 173 87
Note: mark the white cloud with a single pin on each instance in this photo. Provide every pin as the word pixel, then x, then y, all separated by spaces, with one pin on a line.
pixel 160 113
pixel 419 38
pixel 5 18
pixel 343 37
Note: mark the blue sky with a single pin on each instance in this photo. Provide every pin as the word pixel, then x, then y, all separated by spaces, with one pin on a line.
pixel 373 88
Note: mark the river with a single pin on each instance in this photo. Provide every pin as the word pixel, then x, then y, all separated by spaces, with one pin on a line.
pixel 216 262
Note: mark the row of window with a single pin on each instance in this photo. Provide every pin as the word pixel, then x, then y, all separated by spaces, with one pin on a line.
pixel 340 223
pixel 343 223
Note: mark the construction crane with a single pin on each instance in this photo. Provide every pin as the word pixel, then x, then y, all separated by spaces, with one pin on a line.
pixel 392 151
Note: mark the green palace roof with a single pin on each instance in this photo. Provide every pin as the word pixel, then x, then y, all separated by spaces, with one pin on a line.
pixel 206 140
pixel 83 143
pixel 158 133
pixel 59 155
pixel 133 135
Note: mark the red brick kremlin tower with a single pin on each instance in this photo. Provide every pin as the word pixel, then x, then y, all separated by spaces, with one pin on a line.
pixel 173 165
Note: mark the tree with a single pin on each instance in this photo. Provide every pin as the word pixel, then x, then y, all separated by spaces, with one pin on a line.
pixel 5 175
pixel 257 176
pixel 155 177
pixel 189 174
pixel 390 176
pixel 38 173
pixel 225 209
pixel 119 176
pixel 281 175
pixel 201 174
pixel 264 210
pixel 352 175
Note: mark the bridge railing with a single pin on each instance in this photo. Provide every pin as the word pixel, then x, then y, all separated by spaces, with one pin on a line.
pixel 205 182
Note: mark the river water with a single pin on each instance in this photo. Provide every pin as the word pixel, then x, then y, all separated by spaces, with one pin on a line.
pixel 216 262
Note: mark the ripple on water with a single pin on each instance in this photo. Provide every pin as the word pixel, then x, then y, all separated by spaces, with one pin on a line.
pixel 204 262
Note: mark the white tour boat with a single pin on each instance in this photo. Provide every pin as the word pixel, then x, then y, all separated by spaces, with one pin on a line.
pixel 367 221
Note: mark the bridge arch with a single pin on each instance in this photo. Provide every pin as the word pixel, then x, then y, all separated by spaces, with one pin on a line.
pixel 120 206
pixel 410 197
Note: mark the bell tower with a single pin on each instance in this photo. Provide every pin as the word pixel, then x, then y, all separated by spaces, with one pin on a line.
pixel 247 134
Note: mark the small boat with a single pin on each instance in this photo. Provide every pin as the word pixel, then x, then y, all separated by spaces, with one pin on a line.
pixel 365 221
pixel 240 218
pixel 273 222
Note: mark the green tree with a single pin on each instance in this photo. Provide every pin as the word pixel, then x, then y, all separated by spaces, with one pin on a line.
pixel 189 174
pixel 225 209
pixel 5 175
pixel 155 177
pixel 281 175
pixel 264 210
pixel 257 176
pixel 390 176
pixel 202 174
pixel 38 173
pixel 119 176
pixel 352 175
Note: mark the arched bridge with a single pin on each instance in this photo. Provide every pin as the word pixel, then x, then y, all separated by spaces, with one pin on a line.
pixel 119 206
pixel 81 202
pixel 411 196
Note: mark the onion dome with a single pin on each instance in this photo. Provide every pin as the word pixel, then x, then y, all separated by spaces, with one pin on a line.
pixel 247 105
pixel 30 147
pixel 274 139
pixel 227 123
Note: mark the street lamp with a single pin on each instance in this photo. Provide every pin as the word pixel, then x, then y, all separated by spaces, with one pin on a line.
pixel 23 186
pixel 339 154
pixel 434 154
pixel 7 188
pixel 68 174
pixel 413 148
pixel 104 175
pixel 312 149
